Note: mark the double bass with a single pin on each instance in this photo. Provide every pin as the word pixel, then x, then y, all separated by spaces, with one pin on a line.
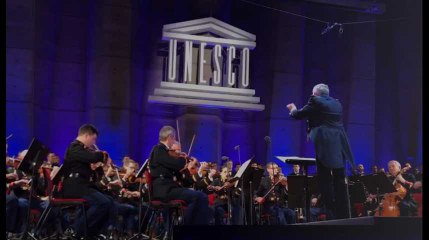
pixel 390 204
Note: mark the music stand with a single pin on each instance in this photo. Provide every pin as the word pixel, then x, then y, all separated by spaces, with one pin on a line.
pixel 242 175
pixel 55 177
pixel 140 173
pixel 378 184
pixel 36 153
pixel 357 192
pixel 304 162
pixel 254 177
pixel 296 189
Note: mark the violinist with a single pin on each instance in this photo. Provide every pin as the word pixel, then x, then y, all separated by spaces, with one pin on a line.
pixel 127 200
pixel 12 204
pixel 20 187
pixel 188 176
pixel 77 173
pixel 272 195
pixel 204 177
pixel 163 166
pixel 220 187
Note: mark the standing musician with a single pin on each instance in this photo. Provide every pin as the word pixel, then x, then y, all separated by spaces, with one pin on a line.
pixel 77 173
pixel 163 166
pixel 272 194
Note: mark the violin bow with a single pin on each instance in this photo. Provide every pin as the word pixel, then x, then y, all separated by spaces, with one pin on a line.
pixel 9 136
pixel 178 132
pixel 119 178
pixel 190 147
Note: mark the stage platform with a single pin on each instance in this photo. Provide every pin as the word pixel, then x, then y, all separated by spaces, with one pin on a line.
pixel 363 228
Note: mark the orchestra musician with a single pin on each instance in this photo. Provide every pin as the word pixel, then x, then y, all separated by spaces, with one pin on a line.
pixel 20 187
pixel 187 177
pixel 163 166
pixel 221 188
pixel 295 170
pixel 122 189
pixel 403 182
pixel 77 174
pixel 12 204
pixel 272 195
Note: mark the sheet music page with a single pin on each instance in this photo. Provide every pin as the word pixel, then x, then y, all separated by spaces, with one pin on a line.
pixel 284 158
pixel 143 166
pixel 55 170
pixel 241 170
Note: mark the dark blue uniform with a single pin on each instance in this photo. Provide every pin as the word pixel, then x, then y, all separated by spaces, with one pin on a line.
pixel 326 131
pixel 163 168
pixel 77 184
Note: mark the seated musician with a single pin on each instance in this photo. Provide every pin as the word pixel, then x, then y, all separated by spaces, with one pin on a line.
pixel 295 170
pixel 12 204
pixel 220 186
pixel 407 205
pixel 205 177
pixel 275 201
pixel 77 173
pixel 188 177
pixel 374 169
pixel 163 167
pixel 19 184
pixel 234 194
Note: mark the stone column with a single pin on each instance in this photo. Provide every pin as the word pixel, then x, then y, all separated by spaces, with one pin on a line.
pixel 20 71
pixel 108 88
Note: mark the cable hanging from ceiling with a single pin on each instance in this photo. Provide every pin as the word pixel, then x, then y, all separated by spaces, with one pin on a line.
pixel 329 25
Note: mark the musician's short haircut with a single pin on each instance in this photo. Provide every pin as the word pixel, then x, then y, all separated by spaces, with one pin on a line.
pixel 87 129
pixel 165 132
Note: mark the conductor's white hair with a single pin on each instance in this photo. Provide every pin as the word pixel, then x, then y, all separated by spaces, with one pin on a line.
pixel 321 89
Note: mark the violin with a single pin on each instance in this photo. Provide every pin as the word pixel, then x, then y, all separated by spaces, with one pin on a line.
pixel 94 148
pixel 279 178
pixel 177 154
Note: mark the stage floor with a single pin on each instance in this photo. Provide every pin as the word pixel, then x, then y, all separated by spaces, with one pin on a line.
pixel 363 228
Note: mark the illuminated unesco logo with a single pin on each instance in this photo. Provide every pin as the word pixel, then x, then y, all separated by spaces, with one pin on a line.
pixel 208 66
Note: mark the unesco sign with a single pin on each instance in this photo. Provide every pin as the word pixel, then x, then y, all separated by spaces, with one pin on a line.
pixel 207 66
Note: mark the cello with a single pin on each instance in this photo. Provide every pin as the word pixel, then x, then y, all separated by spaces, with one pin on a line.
pixel 389 206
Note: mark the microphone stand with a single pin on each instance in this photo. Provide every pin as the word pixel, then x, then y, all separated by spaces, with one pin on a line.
pixel 27 233
pixel 346 179
pixel 243 206
pixel 140 235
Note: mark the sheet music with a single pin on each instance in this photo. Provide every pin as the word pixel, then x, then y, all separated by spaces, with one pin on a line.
pixel 284 158
pixel 144 166
pixel 55 171
pixel 241 171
